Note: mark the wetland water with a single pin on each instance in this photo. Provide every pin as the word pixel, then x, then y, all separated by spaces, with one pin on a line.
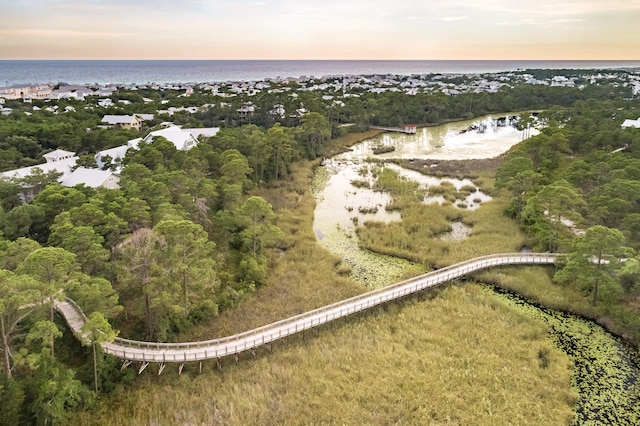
pixel 606 371
pixel 341 206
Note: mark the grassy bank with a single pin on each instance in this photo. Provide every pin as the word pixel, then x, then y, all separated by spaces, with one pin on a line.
pixel 453 356
pixel 421 361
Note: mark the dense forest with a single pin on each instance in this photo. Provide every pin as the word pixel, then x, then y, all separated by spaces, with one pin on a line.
pixel 186 237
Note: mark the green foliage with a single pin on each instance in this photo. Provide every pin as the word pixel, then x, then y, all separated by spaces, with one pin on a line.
pixel 594 258
pixel 12 397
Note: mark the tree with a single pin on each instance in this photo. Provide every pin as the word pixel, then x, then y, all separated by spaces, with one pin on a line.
pixel 140 263
pixel 53 268
pixel 26 220
pixel 16 252
pixel 188 256
pixel 136 212
pixel 233 180
pixel 35 182
pixel 281 146
pixel 12 397
pixel 256 219
pixel 517 175
pixel 88 161
pixel 19 296
pixel 594 258
pixel 558 201
pixel 94 294
pixel 97 331
pixel 38 345
pixel 314 132
pixel 9 194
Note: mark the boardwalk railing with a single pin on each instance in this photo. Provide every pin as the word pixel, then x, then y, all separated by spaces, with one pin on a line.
pixel 133 350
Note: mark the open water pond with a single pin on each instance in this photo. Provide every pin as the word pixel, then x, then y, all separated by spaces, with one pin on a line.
pixel 484 137
pixel 345 200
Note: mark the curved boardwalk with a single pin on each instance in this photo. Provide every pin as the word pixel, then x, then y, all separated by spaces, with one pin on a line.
pixel 146 352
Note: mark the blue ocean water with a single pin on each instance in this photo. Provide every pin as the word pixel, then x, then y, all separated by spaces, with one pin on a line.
pixel 183 71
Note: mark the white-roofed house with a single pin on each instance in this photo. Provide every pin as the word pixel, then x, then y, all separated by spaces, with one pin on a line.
pixel 112 157
pixel 124 121
pixel 183 140
pixel 205 131
pixel 631 123
pixel 93 178
pixel 59 161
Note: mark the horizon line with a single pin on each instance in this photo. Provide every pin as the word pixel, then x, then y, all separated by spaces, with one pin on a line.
pixel 323 59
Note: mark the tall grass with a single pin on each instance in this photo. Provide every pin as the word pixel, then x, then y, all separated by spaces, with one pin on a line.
pixel 451 356
pixel 422 361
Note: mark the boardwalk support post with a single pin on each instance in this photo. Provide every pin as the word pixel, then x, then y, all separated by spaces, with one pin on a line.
pixel 142 367
pixel 235 356
pixel 180 368
pixel 200 367
pixel 253 352
pixel 218 364
pixel 125 364
pixel 161 368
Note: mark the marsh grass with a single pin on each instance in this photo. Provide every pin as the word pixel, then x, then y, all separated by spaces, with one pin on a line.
pixel 453 356
pixel 416 237
pixel 419 361
pixel 360 183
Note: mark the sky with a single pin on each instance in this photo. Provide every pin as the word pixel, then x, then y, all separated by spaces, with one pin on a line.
pixel 320 29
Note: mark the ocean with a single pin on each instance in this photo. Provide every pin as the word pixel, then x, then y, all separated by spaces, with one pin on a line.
pixel 13 72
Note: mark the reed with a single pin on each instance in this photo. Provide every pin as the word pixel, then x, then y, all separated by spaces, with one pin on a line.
pixel 426 360
pixel 414 362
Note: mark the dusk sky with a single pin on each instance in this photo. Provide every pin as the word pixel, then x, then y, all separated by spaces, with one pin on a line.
pixel 320 29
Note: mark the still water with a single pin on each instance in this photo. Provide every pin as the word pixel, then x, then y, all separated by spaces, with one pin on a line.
pixel 344 199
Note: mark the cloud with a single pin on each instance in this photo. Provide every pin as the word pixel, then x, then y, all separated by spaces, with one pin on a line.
pixel 565 21
pixel 454 18
pixel 45 32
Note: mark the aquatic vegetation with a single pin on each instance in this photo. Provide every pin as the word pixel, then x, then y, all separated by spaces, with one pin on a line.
pixel 605 377
pixel 361 183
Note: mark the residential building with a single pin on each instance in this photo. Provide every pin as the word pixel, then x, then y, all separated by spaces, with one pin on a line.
pixel 124 121
pixel 631 123
pixel 58 161
pixel 93 178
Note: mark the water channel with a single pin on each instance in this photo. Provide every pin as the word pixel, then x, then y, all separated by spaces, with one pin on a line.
pixel 606 370
pixel 341 206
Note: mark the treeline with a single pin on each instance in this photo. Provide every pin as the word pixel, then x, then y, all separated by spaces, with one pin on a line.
pixel 24 138
pixel 182 239
pixel 576 189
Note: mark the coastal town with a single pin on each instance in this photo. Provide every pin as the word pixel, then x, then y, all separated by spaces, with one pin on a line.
pixel 161 109
pixel 338 85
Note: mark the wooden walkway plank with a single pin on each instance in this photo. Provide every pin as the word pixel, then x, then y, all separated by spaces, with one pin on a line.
pixel 145 352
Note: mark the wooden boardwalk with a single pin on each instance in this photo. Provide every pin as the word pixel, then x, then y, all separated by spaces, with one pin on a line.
pixel 146 352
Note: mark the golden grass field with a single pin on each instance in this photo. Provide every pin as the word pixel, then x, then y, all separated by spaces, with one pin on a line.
pixel 454 356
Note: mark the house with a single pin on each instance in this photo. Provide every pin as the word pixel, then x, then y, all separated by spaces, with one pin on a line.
pixel 207 132
pixel 631 123
pixel 181 139
pixel 113 157
pixel 246 110
pixel 26 91
pixel 106 102
pixel 124 121
pixel 58 155
pixel 93 178
pixel 58 161
pixel 410 128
